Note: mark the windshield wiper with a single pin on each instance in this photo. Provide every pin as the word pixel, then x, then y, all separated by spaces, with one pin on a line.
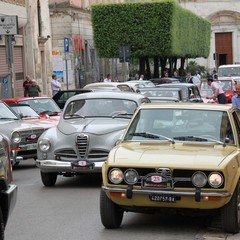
pixel 129 115
pixel 4 118
pixel 70 116
pixel 199 139
pixel 151 135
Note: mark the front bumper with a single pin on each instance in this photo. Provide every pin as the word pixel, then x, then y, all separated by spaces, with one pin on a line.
pixel 63 166
pixel 9 199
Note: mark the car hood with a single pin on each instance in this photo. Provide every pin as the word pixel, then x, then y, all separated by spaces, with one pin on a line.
pixel 97 126
pixel 178 155
pixel 8 126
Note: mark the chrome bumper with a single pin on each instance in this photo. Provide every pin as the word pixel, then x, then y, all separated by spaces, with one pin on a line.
pixel 61 166
pixel 168 192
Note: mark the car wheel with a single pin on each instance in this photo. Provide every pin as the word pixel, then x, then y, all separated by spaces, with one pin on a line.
pixel 2 227
pixel 111 214
pixel 231 213
pixel 48 179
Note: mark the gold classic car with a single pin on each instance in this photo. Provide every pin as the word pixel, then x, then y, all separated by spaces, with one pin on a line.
pixel 175 155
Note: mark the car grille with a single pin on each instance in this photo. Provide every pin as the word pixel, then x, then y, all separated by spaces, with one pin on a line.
pixel 180 178
pixel 82 145
pixel 30 136
pixel 98 154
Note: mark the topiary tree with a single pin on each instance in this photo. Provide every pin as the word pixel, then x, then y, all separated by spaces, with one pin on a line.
pixel 159 29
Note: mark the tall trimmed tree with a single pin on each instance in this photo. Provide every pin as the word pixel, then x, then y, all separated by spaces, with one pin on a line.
pixel 160 29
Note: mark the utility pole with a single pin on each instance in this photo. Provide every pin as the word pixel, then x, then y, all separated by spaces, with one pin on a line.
pixel 8 28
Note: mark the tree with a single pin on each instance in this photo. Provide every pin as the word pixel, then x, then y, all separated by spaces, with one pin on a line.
pixel 156 29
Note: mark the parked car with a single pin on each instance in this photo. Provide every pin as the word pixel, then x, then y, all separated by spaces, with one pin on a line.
pixel 142 83
pixel 162 94
pixel 158 81
pixel 21 134
pixel 44 106
pixel 8 191
pixel 25 112
pixel 62 96
pixel 178 156
pixel 227 83
pixel 89 127
pixel 190 91
pixel 112 86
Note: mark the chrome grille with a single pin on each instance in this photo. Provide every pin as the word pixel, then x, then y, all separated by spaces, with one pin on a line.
pixel 98 154
pixel 82 145
pixel 26 136
pixel 66 154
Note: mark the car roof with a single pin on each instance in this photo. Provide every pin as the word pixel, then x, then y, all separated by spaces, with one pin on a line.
pixel 176 84
pixel 119 95
pixel 187 105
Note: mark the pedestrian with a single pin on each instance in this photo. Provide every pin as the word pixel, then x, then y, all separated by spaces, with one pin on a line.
pixel 236 97
pixel 189 78
pixel 141 77
pixel 26 85
pixel 108 78
pixel 136 76
pixel 198 75
pixel 34 90
pixel 55 84
pixel 215 75
pixel 101 78
pixel 218 93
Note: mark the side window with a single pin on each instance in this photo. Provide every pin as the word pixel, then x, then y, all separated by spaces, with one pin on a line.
pixel 236 116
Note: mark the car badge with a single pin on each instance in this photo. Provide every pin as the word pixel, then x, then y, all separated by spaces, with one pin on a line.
pixel 33 136
pixel 82 163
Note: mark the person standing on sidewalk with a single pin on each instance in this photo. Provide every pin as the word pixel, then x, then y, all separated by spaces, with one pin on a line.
pixel 26 84
pixel 55 84
pixel 34 90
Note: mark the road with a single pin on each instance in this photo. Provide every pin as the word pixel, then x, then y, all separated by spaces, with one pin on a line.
pixel 70 211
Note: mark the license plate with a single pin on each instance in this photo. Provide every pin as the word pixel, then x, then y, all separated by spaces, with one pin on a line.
pixel 162 198
pixel 82 165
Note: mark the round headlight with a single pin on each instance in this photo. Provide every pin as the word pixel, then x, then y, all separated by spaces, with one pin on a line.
pixel 215 180
pixel 16 137
pixel 199 179
pixel 116 175
pixel 44 145
pixel 131 176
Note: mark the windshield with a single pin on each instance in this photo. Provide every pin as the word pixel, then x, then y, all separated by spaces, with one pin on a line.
pixel 42 105
pixel 6 113
pixel 160 93
pixel 229 71
pixel 25 111
pixel 180 125
pixel 226 85
pixel 100 108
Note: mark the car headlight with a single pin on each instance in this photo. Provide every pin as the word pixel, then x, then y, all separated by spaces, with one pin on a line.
pixel 199 179
pixel 16 137
pixel 215 179
pixel 44 145
pixel 116 175
pixel 131 176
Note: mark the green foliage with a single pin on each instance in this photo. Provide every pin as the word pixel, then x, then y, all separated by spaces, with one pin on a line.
pixel 193 67
pixel 150 28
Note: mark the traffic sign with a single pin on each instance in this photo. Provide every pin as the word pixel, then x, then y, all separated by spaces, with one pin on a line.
pixel 66 45
pixel 8 25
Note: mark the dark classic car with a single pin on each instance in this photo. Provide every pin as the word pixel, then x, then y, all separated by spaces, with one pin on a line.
pixel 163 80
pixel 89 127
pixel 8 191
pixel 61 97
pixel 178 156
pixel 22 135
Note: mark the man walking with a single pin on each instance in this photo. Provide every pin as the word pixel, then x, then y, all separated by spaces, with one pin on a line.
pixel 34 90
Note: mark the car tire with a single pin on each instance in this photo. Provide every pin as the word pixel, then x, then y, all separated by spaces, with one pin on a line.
pixel 48 179
pixel 231 213
pixel 111 214
pixel 2 226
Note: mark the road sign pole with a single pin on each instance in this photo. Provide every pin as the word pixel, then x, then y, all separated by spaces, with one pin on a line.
pixel 9 60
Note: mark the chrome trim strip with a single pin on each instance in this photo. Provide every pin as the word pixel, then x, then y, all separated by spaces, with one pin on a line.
pixel 164 192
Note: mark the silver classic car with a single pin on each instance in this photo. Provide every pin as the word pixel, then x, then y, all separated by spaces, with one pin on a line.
pixel 88 129
pixel 21 134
